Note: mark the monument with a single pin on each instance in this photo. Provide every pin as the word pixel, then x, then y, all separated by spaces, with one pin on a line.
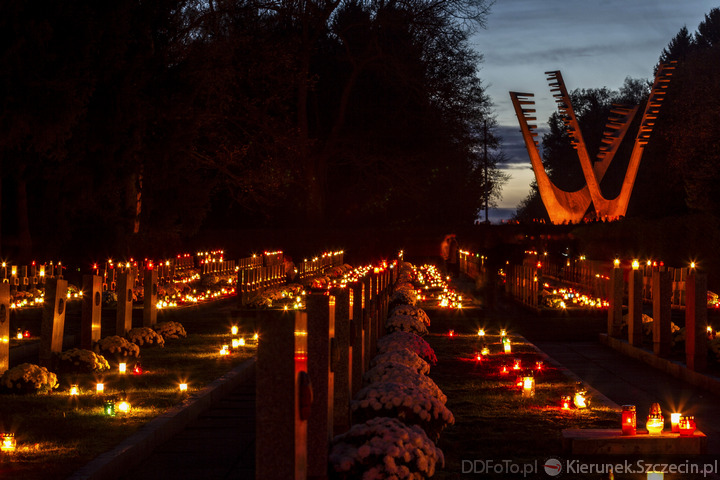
pixel 571 207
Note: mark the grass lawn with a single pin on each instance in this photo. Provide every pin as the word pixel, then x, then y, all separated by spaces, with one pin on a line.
pixel 57 434
pixel 492 419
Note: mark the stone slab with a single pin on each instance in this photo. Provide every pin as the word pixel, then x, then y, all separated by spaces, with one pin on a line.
pixel 613 442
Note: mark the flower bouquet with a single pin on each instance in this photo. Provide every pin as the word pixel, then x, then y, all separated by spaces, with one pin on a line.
pixel 383 448
pixel 145 336
pixel 28 378
pixel 402 356
pixel 405 323
pixel 410 404
pixel 411 341
pixel 399 373
pixel 412 311
pixel 170 330
pixel 403 295
pixel 117 346
pixel 82 361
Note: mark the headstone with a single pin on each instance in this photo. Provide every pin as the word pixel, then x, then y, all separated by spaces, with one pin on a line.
pixel 321 348
pixel 635 308
pixel 696 321
pixel 125 283
pixel 367 323
pixel 662 312
pixel 91 310
pixel 52 328
pixel 616 302
pixel 4 326
pixel 150 291
pixel 343 368
pixel 284 392
pixel 358 338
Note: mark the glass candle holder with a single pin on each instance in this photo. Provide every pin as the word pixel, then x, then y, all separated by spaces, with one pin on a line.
pixel 629 420
pixel 687 426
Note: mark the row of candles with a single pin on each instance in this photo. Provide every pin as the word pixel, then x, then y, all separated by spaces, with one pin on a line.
pixel 684 425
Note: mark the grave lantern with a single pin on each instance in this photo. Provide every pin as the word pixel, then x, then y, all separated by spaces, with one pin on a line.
pixel 99 388
pixel 516 364
pixel 109 407
pixel 124 406
pixel 122 367
pixel 74 390
pixel 8 444
pixel 629 420
pixel 485 350
pixel 687 426
pixel 183 387
pixel 565 401
pixel 451 333
pixel 580 398
pixel 507 348
pixel 655 421
pixel 528 386
pixel 138 370
pixel 675 422
pixel 234 330
pixel 481 333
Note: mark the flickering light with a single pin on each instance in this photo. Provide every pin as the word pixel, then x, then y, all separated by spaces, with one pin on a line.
pixel 692 264
pixel 503 332
pixel 137 370
pixel 539 365
pixel 655 421
pixel 183 387
pixel 629 420
pixel 109 408
pixel 565 402
pixel 635 264
pixel 99 388
pixel 675 422
pixel 481 332
pixel 528 386
pixel 19 335
pixel 485 351
pixel 8 444
pixel 516 364
pixel 225 350
pixel 124 406
pixel 687 426
pixel 451 333
pixel 122 367
pixel 234 330
pixel 74 390
pixel 506 347
pixel 580 399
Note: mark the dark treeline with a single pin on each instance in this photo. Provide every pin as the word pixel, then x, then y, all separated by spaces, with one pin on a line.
pixel 680 169
pixel 131 126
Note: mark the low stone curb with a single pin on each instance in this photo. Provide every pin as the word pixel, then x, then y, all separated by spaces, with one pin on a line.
pixel 136 448
pixel 595 394
pixel 676 369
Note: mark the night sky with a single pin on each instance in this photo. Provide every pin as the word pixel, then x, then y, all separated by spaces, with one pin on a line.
pixel 593 43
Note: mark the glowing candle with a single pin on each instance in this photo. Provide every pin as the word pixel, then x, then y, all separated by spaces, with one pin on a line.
pixel 506 347
pixel 481 333
pixel 122 367
pixel 74 390
pixel 675 422
pixel 183 387
pixel 8 443
pixel 99 388
pixel 655 420
pixel 635 264
pixel 528 386
pixel 234 330
pixel 629 420
pixel 124 406
pixel 687 426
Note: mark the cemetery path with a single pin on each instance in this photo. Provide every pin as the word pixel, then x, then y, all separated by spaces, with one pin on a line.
pixel 218 445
